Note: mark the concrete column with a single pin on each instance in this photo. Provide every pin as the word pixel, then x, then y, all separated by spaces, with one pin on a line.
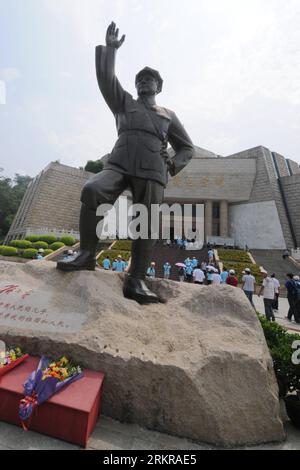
pixel 224 219
pixel 208 218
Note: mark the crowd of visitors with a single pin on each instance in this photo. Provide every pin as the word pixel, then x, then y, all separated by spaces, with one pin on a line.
pixel 119 264
pixel 195 271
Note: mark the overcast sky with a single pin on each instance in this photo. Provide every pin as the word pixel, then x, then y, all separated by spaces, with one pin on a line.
pixel 231 71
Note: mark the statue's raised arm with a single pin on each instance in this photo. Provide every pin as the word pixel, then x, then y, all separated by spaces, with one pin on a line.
pixel 109 85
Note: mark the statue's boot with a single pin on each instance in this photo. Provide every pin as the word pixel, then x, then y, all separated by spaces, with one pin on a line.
pixel 85 259
pixel 134 284
pixel 136 289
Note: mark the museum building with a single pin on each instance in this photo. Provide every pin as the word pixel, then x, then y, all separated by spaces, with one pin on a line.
pixel 251 198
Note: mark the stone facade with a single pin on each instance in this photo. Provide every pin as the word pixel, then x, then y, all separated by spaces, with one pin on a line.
pixel 291 190
pixel 269 171
pixel 51 202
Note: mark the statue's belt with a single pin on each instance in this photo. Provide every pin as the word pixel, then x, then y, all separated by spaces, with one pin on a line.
pixel 142 131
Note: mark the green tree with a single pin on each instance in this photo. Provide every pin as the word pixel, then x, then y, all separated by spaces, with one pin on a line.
pixel 11 194
pixel 94 166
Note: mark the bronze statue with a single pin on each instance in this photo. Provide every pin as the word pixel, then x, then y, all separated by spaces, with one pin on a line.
pixel 139 161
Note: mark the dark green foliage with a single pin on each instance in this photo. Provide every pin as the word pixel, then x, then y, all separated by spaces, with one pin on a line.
pixel 11 194
pixel 280 343
pixel 94 166
pixel 123 245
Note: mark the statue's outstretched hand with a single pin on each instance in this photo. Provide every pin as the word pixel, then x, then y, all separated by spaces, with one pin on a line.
pixel 112 36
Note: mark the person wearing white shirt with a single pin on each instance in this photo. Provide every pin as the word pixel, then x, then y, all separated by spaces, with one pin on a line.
pixel 268 291
pixel 277 291
pixel 248 285
pixel 198 276
pixel 216 279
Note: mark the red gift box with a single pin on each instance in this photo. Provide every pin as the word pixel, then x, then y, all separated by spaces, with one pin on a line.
pixel 13 364
pixel 70 414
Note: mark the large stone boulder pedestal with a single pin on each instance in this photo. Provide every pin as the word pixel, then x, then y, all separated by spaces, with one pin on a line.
pixel 196 366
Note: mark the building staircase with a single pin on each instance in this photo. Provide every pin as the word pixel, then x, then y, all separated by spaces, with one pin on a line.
pixel 173 254
pixel 272 261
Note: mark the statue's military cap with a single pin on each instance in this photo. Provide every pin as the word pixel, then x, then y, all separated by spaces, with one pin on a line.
pixel 154 73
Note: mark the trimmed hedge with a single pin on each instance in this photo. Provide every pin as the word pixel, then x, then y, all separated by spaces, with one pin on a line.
pixel 280 343
pixel 49 239
pixel 20 243
pixel 112 254
pixel 40 244
pixel 47 252
pixel 29 253
pixel 123 245
pixel 33 238
pixel 56 245
pixel 9 251
pixel 234 255
pixel 67 240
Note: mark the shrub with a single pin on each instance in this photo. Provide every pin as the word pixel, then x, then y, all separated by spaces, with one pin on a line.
pixel 33 238
pixel 40 244
pixel 56 245
pixel 9 251
pixel 123 245
pixel 47 252
pixel 20 243
pixel 48 239
pixel 29 253
pixel 234 255
pixel 280 343
pixel 67 240
pixel 112 254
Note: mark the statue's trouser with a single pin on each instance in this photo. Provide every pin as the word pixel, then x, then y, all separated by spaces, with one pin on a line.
pixel 105 188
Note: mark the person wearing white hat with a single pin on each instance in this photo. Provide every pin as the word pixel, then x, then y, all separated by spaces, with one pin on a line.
pixel 39 254
pixel 268 291
pixel 232 280
pixel 167 270
pixel 216 278
pixel 248 285
pixel 151 270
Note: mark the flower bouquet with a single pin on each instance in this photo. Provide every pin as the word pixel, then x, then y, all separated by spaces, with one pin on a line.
pixel 10 359
pixel 48 379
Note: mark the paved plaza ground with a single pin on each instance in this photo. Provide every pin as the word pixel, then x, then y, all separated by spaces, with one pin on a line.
pixel 280 315
pixel 112 435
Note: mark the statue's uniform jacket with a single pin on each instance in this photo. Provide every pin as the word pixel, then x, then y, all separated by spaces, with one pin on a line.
pixel 137 151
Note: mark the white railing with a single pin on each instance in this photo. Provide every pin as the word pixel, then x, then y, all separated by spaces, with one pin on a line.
pixel 52 231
